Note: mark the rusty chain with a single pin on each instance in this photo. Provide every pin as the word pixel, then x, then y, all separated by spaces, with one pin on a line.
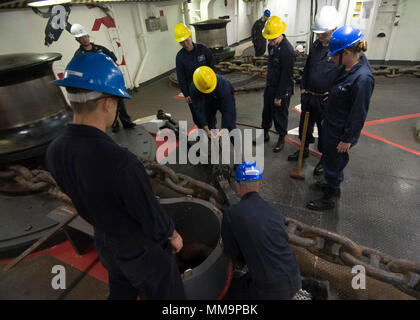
pixel 402 273
pixel 336 248
pixel 395 72
pixel 41 181
pixel 249 67
pixel 34 180
pixel 182 183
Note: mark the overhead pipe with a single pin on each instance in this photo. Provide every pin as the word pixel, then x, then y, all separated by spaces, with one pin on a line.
pixel 140 40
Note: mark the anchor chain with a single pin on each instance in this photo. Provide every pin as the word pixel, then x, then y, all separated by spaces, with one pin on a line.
pixel 182 183
pixel 396 72
pixel 336 248
pixel 251 62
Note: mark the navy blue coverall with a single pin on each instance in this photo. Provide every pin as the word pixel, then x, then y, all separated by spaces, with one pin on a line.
pixel 281 60
pixel 186 63
pixel 318 76
pixel 346 112
pixel 122 111
pixel 259 42
pixel 206 105
pixel 110 189
pixel 253 231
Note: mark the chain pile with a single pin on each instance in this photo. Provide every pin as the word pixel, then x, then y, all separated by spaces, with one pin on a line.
pixel 252 63
pixel 246 68
pixel 403 274
pixel 336 248
pixel 395 72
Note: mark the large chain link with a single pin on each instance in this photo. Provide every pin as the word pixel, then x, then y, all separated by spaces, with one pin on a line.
pixel 33 180
pixel 336 248
pixel 182 183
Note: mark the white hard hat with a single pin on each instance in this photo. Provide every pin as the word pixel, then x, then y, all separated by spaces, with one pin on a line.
pixel 327 19
pixel 300 48
pixel 77 30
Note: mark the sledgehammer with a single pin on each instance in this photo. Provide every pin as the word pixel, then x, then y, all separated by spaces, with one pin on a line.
pixel 298 174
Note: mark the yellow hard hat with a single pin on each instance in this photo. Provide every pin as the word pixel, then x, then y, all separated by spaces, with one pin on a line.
pixel 273 28
pixel 181 32
pixel 205 79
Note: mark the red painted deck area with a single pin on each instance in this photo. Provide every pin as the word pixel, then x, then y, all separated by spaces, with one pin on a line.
pixel 87 263
pixel 374 122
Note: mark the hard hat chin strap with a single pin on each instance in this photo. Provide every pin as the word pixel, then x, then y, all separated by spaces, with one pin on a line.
pixel 116 118
pixel 340 61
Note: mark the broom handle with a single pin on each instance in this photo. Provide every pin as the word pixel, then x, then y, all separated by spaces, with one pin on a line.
pixel 302 143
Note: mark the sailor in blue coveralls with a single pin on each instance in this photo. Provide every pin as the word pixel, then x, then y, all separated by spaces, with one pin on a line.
pixel 135 239
pixel 86 46
pixel 211 92
pixel 254 232
pixel 188 59
pixel 259 42
pixel 347 108
pixel 279 87
pixel 318 76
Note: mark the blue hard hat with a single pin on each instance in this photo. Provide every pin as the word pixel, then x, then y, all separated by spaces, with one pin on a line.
pixel 248 171
pixel 96 72
pixel 267 13
pixel 344 37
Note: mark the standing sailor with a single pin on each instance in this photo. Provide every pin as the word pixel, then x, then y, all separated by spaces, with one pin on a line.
pixel 279 87
pixel 346 112
pixel 134 237
pixel 259 42
pixel 318 76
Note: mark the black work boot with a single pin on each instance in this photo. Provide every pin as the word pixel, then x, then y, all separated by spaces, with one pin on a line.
pixel 319 168
pixel 322 185
pixel 266 137
pixel 326 202
pixel 279 145
pixel 129 125
pixel 295 156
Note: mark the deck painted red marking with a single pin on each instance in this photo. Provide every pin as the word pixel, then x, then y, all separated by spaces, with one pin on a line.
pixel 386 120
pixel 391 143
pixel 379 121
pixel 86 263
pixel 192 130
